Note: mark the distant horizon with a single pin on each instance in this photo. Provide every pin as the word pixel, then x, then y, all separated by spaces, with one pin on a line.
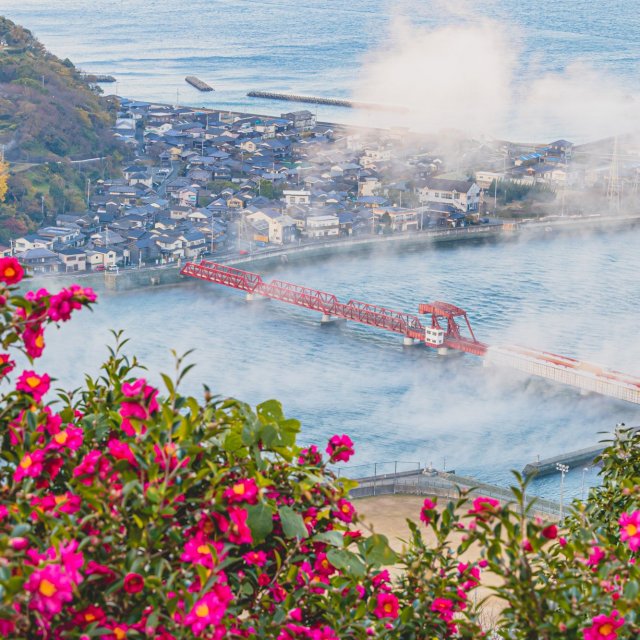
pixel 560 75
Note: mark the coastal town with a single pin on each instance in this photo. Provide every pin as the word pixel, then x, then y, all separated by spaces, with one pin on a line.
pixel 209 183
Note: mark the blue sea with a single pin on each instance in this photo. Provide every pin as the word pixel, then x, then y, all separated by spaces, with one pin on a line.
pixel 543 69
pixel 521 68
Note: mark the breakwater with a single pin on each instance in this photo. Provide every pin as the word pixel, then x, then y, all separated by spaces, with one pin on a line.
pixel 332 102
pixel 198 84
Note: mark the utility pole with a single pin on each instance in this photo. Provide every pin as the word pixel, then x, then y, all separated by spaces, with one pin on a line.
pixel 88 191
pixel 563 469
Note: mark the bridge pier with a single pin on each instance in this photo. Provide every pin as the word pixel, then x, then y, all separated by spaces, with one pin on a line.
pixel 255 297
pixel 408 342
pixel 443 351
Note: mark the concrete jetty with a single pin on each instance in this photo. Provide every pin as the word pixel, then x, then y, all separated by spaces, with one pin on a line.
pixel 572 459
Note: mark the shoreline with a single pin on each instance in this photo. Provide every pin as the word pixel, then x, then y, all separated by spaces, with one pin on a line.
pixel 162 275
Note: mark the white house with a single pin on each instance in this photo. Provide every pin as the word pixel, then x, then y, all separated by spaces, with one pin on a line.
pixel 323 226
pixel 301 196
pixel 463 195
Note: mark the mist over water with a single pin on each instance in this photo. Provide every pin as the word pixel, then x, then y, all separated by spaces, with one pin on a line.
pixel 573 295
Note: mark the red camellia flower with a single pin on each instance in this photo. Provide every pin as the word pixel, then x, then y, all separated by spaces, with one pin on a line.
pixel 340 448
pixel 140 404
pixel 604 627
pixel 550 532
pixel 11 271
pixel 33 384
pixel 386 606
pixel 133 583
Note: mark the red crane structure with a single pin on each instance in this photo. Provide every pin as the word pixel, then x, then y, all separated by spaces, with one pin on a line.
pixel 441 331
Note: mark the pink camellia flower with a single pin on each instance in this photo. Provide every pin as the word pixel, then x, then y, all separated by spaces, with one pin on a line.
pixel 64 503
pixel 242 491
pixel 386 606
pixel 444 608
pixel 88 467
pixel 630 529
pixel 604 627
pixel 426 512
pixel 71 559
pixel 345 510
pixel 255 558
pixel 121 451
pixel 596 555
pixel 133 583
pixel 484 507
pixel 7 365
pixel 70 438
pixel 322 566
pixel 209 610
pixel 33 384
pixel 33 338
pixel 11 271
pixel 141 403
pixel 49 588
pixel 550 532
pixel 340 448
pixel 30 466
pixel 239 532
pixel 201 550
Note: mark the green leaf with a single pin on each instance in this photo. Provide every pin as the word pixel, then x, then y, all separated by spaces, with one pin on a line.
pixel 292 523
pixel 333 538
pixel 378 551
pixel 260 521
pixel 347 561
pixel 270 411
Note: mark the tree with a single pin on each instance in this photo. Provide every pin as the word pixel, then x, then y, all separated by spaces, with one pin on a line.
pixel 4 179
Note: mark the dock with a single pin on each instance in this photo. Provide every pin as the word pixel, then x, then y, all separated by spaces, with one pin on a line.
pixel 332 102
pixel 572 459
pixel 198 84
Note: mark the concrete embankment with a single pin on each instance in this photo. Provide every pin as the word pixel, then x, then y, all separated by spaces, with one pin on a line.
pixel 128 279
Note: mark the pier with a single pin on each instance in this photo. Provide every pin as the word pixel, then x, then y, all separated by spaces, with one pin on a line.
pixel 332 102
pixel 198 84
pixel 446 328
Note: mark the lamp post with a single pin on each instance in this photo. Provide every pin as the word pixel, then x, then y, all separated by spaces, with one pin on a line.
pixel 563 469
pixel 582 484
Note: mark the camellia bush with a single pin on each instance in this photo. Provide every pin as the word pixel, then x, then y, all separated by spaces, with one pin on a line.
pixel 130 512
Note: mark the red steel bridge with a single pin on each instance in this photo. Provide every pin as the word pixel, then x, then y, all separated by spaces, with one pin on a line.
pixel 445 327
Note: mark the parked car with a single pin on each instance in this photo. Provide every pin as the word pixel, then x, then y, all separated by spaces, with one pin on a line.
pixel 99 267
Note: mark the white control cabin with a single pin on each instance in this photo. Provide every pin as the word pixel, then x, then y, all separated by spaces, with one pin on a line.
pixel 434 336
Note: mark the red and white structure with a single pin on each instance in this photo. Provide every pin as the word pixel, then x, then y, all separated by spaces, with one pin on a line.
pixel 446 327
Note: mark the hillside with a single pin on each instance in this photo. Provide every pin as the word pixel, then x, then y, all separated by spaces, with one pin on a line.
pixel 49 115
pixel 47 111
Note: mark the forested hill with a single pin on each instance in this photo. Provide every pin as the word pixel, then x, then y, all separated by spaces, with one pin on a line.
pixel 47 111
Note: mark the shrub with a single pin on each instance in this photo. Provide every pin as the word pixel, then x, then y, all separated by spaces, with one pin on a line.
pixel 126 513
